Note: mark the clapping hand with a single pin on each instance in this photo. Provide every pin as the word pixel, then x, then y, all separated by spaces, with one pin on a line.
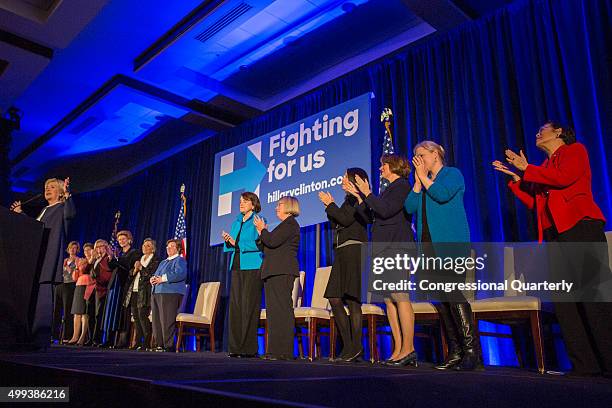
pixel 326 198
pixel 363 186
pixel 501 167
pixel 16 207
pixel 520 162
pixel 420 171
pixel 260 224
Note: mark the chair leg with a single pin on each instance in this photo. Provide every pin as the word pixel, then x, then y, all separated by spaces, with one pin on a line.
pixel 312 331
pixel 372 338
pixel 536 331
pixel 211 332
pixel 516 336
pixel 266 337
pixel 180 337
pixel 332 338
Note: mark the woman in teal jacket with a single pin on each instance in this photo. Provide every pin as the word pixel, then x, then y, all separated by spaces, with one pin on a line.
pixel 437 200
pixel 246 284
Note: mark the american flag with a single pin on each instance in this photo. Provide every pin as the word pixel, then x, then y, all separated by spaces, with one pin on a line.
pixel 114 245
pixel 385 117
pixel 180 231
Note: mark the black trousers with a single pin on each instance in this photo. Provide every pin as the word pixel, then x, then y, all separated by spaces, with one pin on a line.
pixel 244 310
pixel 64 293
pixel 586 327
pixel 165 308
pixel 141 321
pixel 98 313
pixel 279 313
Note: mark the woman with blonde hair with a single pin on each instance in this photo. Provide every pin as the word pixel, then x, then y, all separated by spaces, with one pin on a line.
pixel 437 200
pixel 56 217
pixel 279 269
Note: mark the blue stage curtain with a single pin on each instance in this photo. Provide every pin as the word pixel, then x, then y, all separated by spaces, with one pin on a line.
pixel 484 87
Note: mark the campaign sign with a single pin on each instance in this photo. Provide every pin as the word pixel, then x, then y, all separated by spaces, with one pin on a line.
pixel 298 160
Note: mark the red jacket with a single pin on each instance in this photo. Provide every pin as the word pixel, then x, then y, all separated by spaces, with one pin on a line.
pixel 562 184
pixel 103 274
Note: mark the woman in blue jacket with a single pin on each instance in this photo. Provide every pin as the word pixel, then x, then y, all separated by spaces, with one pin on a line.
pixel 168 283
pixel 437 200
pixel 246 283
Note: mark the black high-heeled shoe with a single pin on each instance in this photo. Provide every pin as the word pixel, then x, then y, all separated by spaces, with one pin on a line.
pixel 409 360
pixel 354 357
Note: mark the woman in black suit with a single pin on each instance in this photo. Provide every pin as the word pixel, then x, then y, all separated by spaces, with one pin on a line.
pixel 344 285
pixel 138 295
pixel 56 216
pixel 279 269
pixel 119 316
pixel 392 224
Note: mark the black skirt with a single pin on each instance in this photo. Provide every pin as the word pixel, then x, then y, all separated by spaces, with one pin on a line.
pixel 78 302
pixel 345 276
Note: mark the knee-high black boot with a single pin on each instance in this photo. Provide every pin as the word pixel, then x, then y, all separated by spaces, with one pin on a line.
pixel 470 345
pixel 452 339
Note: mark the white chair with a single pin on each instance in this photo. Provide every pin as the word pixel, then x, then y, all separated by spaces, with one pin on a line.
pixel 511 309
pixel 318 312
pixel 202 320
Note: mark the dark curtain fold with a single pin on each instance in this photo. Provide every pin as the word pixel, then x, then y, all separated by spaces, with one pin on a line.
pixel 477 90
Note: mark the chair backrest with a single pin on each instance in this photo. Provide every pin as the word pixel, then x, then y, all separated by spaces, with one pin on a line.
pixel 297 295
pixel 183 305
pixel 318 290
pixel 206 302
pixel 510 271
pixel 609 238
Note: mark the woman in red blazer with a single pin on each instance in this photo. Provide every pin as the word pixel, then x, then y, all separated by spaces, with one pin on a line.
pixel 560 192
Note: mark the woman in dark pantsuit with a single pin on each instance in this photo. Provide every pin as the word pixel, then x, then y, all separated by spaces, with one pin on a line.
pixel 118 315
pixel 279 269
pixel 138 295
pixel 56 216
pixel 344 285
pixel 246 285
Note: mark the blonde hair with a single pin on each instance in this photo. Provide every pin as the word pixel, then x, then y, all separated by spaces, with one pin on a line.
pixel 73 243
pixel 126 233
pixel 101 242
pixel 292 205
pixel 60 187
pixel 431 146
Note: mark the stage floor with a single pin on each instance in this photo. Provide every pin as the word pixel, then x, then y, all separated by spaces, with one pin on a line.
pixel 120 377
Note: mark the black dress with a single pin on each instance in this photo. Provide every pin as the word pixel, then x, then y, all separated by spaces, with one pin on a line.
pixel 349 232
